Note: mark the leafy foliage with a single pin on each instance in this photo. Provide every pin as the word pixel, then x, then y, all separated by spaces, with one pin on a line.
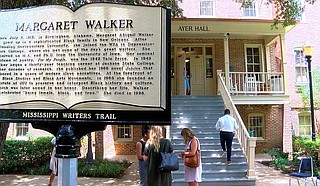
pixel 302 146
pixel 20 154
pixel 176 11
pixel 102 168
pixel 305 90
pixel 279 159
pixel 287 11
pixel 280 163
pixel 41 170
pixel 274 152
pixel 33 158
pixel 99 168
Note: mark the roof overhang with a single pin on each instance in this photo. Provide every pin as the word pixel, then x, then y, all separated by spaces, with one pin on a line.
pixel 217 28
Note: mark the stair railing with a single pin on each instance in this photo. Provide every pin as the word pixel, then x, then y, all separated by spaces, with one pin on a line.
pixel 168 132
pixel 247 143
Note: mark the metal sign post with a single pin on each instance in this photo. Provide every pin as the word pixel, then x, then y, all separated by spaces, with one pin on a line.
pixel 67 152
pixel 67 171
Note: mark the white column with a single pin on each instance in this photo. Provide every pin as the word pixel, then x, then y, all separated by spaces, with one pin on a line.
pixel 67 171
pixel 284 63
pixel 226 60
pixel 251 152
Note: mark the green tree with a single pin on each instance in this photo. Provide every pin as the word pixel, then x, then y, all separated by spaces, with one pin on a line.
pixel 286 11
pixel 304 90
pixel 176 11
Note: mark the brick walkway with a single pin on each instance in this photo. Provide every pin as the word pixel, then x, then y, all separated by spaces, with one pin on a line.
pixel 266 176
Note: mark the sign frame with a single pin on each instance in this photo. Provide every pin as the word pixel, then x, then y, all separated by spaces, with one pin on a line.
pixel 139 115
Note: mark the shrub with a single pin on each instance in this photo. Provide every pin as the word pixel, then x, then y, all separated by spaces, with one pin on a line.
pixel 279 158
pixel 280 163
pixel 41 170
pixel 33 158
pixel 20 154
pixel 102 168
pixel 304 146
pixel 276 153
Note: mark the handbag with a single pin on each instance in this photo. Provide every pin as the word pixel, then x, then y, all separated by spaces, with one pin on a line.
pixel 168 162
pixel 192 161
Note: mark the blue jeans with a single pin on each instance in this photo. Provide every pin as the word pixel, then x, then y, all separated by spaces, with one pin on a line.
pixel 226 139
pixel 143 173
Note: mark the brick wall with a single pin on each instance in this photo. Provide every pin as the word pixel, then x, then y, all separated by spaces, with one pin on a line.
pixel 236 50
pixel 225 9
pixel 289 117
pixel 303 32
pixel 32 132
pixel 127 147
pixel 275 57
pixel 107 143
pixel 273 115
pixel 237 53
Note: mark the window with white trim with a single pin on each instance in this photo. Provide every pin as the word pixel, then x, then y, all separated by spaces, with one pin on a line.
pixel 124 132
pixel 209 62
pixel 304 124
pixel 22 129
pixel 301 66
pixel 206 8
pixel 256 124
pixel 250 8
pixel 253 58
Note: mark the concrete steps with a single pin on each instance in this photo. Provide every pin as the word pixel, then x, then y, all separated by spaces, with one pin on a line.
pixel 200 113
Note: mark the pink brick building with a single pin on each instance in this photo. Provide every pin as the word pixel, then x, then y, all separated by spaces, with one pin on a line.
pixel 262 68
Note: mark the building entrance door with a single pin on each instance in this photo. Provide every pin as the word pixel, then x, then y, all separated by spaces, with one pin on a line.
pixel 197 80
pixel 190 71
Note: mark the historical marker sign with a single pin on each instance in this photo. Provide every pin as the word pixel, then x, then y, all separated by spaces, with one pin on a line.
pixel 105 63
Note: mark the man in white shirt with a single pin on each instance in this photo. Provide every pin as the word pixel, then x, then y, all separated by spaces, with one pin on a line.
pixel 227 126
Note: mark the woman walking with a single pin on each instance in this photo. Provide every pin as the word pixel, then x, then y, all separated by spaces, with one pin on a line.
pixel 154 146
pixel 192 175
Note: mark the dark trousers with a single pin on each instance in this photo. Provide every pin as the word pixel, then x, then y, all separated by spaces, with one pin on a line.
pixel 226 139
